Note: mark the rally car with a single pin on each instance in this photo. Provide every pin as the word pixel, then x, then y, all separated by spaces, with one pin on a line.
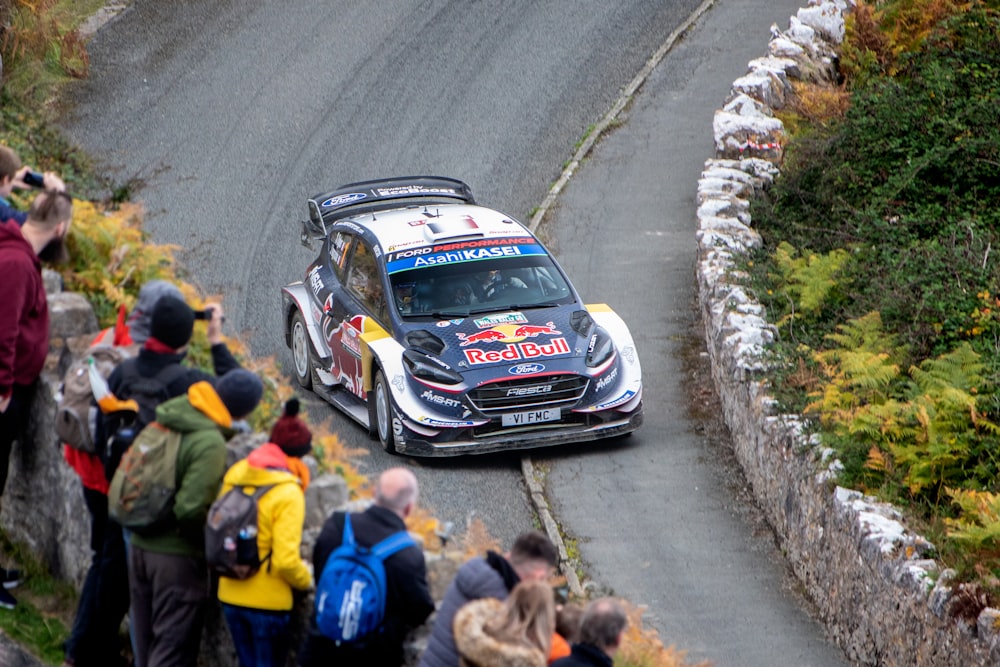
pixel 445 327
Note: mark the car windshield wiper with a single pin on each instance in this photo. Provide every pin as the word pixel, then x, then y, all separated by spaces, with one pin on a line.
pixel 441 315
pixel 539 304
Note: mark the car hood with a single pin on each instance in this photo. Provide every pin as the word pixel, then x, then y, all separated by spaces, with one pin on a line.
pixel 512 338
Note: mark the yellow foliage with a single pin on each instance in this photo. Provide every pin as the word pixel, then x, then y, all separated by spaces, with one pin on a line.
pixel 641 646
pixel 426 526
pixel 477 540
pixel 876 459
pixel 111 258
pixel 820 103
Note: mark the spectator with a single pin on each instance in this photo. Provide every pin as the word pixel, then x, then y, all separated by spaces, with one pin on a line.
pixel 170 327
pixel 514 633
pixel 93 639
pixel 601 630
pixel 24 325
pixel 408 599
pixel 168 577
pixel 567 630
pixel 12 176
pixel 532 558
pixel 257 609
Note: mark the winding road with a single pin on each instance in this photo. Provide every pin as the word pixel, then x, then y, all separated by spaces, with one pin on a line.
pixel 226 115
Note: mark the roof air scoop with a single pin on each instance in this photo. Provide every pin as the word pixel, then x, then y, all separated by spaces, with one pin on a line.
pixel 460 226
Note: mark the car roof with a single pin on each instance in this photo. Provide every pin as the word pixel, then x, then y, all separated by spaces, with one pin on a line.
pixel 432 224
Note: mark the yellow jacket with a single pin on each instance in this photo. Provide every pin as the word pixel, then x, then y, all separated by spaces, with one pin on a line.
pixel 280 513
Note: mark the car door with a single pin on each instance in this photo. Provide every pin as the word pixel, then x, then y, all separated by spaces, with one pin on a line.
pixel 355 308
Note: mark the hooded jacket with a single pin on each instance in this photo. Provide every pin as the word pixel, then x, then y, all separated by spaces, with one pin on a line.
pixel 476 579
pixel 280 514
pixel 201 418
pixel 476 648
pixel 24 316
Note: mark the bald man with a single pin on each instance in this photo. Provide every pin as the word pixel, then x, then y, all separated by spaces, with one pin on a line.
pixel 408 599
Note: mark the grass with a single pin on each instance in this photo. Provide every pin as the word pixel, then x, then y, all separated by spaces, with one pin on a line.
pixel 45 606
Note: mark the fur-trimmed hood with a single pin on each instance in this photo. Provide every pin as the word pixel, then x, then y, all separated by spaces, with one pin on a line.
pixel 478 649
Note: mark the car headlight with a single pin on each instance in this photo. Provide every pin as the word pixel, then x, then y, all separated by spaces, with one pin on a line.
pixel 600 349
pixel 425 367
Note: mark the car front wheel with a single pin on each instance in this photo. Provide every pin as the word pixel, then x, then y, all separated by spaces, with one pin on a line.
pixel 383 414
pixel 301 351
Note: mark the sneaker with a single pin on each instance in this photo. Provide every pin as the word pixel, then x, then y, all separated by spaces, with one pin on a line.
pixel 10 578
pixel 7 601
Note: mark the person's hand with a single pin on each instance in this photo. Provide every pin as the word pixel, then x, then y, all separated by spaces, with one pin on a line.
pixel 18 180
pixel 52 182
pixel 4 402
pixel 214 329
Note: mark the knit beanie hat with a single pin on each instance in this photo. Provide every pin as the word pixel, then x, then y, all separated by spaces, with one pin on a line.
pixel 172 322
pixel 240 391
pixel 140 319
pixel 291 433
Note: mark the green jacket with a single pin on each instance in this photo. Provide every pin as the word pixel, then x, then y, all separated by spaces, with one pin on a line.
pixel 204 424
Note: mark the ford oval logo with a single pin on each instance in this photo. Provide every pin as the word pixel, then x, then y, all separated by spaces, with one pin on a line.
pixel 525 369
pixel 340 200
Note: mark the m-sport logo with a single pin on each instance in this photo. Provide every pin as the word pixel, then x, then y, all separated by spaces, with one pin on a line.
pixel 526 369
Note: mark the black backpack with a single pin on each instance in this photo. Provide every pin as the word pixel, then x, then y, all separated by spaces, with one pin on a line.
pixel 231 528
pixel 148 392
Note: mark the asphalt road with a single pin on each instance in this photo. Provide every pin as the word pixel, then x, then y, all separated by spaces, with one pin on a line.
pixel 229 114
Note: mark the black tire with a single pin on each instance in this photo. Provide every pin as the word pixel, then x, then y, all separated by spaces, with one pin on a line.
pixel 302 352
pixel 381 413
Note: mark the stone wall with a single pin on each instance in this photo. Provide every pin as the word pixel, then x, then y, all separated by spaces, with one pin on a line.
pixel 882 599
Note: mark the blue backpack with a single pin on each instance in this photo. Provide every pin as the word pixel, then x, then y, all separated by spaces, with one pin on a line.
pixel 350 598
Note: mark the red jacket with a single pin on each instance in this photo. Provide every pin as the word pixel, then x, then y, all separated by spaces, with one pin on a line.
pixel 24 312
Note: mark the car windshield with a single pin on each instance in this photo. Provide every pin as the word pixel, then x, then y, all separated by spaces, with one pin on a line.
pixel 458 289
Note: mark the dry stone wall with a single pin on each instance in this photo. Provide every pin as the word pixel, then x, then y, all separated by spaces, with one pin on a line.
pixel 883 599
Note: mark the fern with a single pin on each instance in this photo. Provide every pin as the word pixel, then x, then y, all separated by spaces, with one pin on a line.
pixel 925 425
pixel 978 525
pixel 809 277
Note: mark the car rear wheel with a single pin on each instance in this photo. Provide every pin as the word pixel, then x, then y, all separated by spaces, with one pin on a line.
pixel 382 414
pixel 302 355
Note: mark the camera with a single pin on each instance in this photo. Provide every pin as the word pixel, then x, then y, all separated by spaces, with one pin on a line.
pixel 205 314
pixel 34 179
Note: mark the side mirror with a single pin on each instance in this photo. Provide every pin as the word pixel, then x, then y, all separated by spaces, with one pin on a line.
pixel 314 227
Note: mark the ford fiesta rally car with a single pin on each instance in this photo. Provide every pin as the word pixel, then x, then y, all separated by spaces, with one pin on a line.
pixel 447 328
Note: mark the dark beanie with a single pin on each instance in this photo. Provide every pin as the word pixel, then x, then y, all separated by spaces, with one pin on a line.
pixel 240 391
pixel 291 433
pixel 172 322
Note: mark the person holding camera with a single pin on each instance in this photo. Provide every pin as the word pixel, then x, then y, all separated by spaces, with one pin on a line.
pixel 24 326
pixel 14 175
pixel 154 376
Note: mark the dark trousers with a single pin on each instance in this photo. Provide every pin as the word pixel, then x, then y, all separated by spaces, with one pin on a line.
pixel 168 607
pixel 94 638
pixel 318 651
pixel 261 637
pixel 13 424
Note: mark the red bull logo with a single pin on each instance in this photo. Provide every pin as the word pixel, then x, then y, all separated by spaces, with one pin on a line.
pixel 532 330
pixel 517 351
pixel 508 333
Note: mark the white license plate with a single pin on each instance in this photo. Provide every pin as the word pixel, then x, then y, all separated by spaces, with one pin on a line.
pixel 533 417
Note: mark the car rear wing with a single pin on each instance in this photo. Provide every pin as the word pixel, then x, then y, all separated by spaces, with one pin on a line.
pixel 379 195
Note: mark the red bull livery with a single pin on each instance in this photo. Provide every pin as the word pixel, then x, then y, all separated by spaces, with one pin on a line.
pixel 446 328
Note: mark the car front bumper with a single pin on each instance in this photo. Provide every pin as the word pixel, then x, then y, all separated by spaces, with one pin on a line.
pixel 411 443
